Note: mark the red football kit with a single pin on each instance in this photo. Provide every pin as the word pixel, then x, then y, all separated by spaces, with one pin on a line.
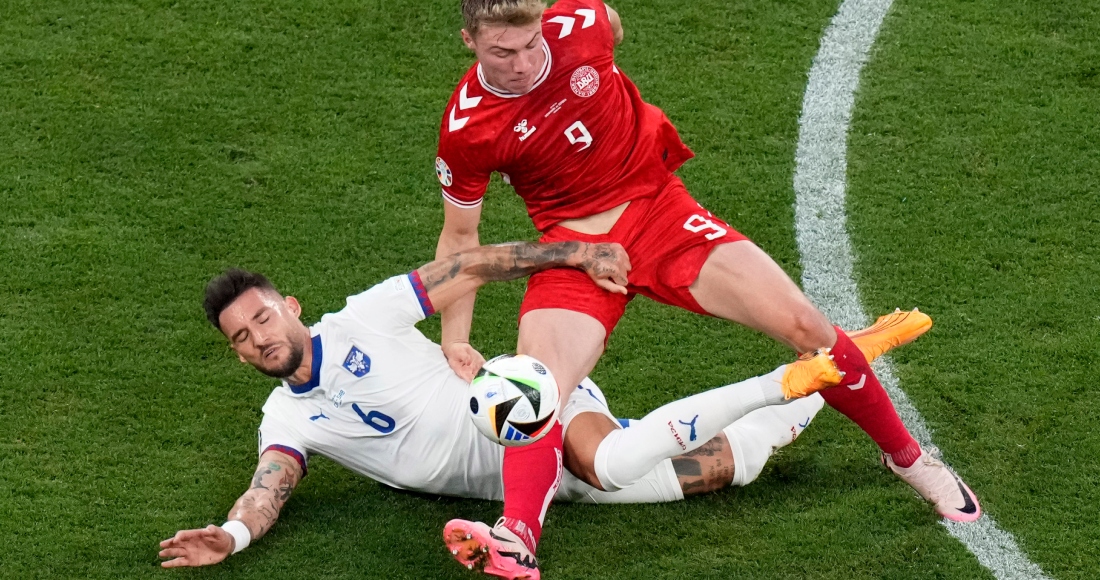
pixel 580 142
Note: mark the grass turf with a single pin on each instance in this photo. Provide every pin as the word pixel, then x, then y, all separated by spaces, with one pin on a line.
pixel 149 144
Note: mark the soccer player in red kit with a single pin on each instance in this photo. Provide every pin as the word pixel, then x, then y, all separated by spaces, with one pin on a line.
pixel 547 108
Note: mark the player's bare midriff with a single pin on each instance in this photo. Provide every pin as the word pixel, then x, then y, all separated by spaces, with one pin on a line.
pixel 595 224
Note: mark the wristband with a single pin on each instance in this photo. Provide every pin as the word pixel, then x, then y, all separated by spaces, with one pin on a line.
pixel 240 533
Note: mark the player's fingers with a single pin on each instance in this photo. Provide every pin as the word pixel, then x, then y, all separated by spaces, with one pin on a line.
pixel 611 286
pixel 624 257
pixel 184 535
pixel 464 371
pixel 175 563
pixel 172 553
pixel 620 278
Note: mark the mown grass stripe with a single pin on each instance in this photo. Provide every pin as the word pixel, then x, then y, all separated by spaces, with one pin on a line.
pixel 820 184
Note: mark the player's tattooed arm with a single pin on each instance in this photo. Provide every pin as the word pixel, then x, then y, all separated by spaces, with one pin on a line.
pixel 705 469
pixel 257 509
pixel 276 477
pixel 458 274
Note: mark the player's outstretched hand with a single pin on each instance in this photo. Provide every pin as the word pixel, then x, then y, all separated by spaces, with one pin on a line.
pixel 464 359
pixel 209 545
pixel 608 266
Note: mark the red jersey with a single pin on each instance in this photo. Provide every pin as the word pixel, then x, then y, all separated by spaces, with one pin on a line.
pixel 580 142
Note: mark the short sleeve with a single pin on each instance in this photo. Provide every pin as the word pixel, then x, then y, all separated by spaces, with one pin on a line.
pixel 392 306
pixel 460 169
pixel 276 435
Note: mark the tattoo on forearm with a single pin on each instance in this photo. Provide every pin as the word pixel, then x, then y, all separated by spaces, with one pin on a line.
pixel 261 472
pixel 500 262
pixel 259 507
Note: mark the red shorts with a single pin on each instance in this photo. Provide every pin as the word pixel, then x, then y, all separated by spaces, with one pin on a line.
pixel 668 237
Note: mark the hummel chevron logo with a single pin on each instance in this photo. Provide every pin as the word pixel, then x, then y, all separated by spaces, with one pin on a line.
pixel 464 103
pixel 567 22
pixel 859 385
pixel 589 17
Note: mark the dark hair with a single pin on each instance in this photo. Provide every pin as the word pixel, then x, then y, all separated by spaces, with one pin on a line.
pixel 223 290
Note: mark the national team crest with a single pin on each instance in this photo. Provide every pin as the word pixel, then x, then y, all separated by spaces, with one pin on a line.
pixel 585 81
pixel 443 172
pixel 357 362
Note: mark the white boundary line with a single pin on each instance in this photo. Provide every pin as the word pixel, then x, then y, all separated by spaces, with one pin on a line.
pixel 820 182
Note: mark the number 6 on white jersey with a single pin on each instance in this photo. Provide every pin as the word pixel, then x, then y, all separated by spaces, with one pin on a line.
pixel 698 223
pixel 582 136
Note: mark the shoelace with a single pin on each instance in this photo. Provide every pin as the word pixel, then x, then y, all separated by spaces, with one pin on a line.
pixel 945 488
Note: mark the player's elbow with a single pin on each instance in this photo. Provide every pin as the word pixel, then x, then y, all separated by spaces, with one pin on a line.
pixel 616 25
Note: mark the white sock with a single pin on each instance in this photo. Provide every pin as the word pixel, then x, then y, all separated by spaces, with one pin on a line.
pixel 661 484
pixel 759 434
pixel 627 455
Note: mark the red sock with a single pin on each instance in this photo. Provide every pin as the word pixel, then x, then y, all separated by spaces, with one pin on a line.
pixel 869 406
pixel 531 476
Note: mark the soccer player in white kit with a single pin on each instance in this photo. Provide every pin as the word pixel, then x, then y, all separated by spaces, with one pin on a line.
pixel 365 388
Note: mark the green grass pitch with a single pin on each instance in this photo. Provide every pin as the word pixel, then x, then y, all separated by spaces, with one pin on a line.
pixel 147 144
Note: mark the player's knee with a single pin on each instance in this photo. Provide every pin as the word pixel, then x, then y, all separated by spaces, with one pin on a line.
pixel 749 463
pixel 587 432
pixel 808 329
pixel 603 466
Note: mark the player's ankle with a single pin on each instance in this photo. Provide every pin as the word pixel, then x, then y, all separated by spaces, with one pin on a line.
pixel 522 530
pixel 908 455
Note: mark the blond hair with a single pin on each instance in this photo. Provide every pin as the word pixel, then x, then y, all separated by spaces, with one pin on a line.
pixel 477 13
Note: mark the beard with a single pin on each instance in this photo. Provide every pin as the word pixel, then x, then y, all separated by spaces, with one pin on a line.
pixel 293 361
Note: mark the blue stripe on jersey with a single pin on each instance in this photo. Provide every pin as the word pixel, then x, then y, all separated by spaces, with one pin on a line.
pixel 421 293
pixel 297 455
pixel 314 371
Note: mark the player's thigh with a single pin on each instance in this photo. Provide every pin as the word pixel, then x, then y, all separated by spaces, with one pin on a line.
pixel 740 282
pixel 582 438
pixel 569 343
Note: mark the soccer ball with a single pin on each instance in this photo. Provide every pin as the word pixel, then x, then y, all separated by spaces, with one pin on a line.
pixel 514 400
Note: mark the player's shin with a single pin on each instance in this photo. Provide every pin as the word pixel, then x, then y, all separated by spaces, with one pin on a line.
pixel 626 455
pixel 757 436
pixel 531 475
pixel 861 398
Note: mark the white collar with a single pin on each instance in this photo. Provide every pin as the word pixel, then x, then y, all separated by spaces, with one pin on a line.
pixel 507 95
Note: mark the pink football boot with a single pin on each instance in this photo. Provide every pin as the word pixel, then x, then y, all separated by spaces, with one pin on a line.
pixel 497 551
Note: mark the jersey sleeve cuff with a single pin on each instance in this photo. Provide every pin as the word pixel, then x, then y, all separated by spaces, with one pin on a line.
pixel 421 294
pixel 285 450
pixel 460 203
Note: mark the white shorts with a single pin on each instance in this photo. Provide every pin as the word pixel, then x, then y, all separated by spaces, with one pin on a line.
pixel 659 485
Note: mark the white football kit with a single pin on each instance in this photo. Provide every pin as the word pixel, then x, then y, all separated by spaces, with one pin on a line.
pixel 383 402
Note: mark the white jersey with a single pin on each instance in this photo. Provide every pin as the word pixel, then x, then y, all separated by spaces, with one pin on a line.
pixel 383 402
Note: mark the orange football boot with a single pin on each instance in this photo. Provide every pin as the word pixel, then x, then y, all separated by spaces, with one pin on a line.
pixel 810 373
pixel 890 331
